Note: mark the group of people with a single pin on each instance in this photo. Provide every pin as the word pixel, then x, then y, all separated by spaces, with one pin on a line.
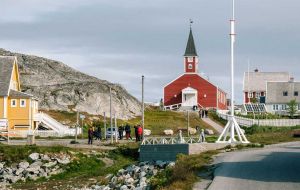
pixel 138 131
pixel 203 113
pixel 95 133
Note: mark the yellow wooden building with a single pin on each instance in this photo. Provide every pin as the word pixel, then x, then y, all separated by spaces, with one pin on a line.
pixel 19 113
pixel 17 109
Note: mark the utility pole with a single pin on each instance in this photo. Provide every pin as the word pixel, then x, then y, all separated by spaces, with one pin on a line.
pixel 104 125
pixel 143 107
pixel 111 119
pixel 116 128
pixel 188 122
pixel 76 128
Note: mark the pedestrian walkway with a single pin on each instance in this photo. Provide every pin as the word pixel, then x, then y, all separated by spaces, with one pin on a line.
pixel 213 124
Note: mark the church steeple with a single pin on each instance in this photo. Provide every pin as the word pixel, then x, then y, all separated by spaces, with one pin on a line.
pixel 190 55
pixel 190 46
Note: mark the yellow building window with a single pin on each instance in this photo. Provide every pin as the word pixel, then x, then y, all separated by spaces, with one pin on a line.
pixel 22 103
pixel 13 103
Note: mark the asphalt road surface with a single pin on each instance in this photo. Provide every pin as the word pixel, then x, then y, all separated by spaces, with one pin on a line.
pixel 276 167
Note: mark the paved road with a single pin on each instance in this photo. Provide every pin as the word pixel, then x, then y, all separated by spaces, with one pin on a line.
pixel 215 125
pixel 273 168
pixel 83 143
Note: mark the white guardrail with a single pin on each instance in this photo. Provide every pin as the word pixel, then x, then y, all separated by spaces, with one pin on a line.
pixel 260 122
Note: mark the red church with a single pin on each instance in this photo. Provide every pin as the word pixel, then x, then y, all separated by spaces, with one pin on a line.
pixel 190 90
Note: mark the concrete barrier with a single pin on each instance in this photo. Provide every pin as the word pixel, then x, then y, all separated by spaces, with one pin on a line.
pixel 168 152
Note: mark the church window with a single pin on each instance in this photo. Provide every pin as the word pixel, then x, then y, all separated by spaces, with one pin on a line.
pixel 190 66
pixel 190 59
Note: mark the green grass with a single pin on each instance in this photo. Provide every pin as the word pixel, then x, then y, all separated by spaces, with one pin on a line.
pixel 158 121
pixel 213 115
pixel 184 174
pixel 12 154
pixel 271 135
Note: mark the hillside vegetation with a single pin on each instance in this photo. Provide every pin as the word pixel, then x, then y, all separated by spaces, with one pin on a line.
pixel 155 120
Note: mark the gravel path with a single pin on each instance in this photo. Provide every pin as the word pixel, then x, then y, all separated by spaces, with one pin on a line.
pixel 215 125
pixel 276 167
pixel 103 145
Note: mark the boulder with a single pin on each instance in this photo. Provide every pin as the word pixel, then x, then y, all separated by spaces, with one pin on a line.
pixel 171 164
pixel 49 164
pixel 160 163
pixel 33 168
pixel 192 131
pixel 19 171
pixel 63 161
pixel 123 187
pixel 23 165
pixel 1 165
pixel 129 180
pixel 209 132
pixel 45 157
pixel 13 179
pixel 147 132
pixel 34 156
pixel 168 132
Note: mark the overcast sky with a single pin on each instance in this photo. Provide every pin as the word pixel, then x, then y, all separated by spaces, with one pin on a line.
pixel 120 40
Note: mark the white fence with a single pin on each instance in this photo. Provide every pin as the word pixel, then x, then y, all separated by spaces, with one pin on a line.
pixel 261 122
pixel 169 140
pixel 43 133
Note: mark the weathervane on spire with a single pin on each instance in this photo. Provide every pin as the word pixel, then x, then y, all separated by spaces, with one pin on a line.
pixel 191 22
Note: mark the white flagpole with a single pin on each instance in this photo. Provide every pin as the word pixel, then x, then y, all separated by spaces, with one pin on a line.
pixel 232 126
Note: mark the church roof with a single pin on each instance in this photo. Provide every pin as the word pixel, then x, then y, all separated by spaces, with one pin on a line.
pixel 6 68
pixel 190 47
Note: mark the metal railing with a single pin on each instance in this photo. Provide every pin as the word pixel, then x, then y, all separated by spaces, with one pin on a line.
pixel 169 140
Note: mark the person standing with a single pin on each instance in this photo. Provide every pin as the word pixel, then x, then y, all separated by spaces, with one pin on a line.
pixel 140 132
pixel 121 130
pixel 90 135
pixel 128 131
pixel 98 133
pixel 202 136
pixel 136 133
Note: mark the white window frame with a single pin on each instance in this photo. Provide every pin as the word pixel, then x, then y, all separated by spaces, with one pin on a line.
pixel 22 100
pixel 11 103
pixel 257 95
pixel 190 66
pixel 275 107
pixel 250 94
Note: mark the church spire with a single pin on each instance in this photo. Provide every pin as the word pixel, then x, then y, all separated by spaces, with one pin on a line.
pixel 190 47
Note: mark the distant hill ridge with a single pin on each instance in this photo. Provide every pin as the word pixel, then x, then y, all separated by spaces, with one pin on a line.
pixel 60 87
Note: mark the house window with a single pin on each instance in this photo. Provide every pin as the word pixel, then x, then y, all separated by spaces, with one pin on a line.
pixel 13 103
pixel 22 103
pixel 285 93
pixel 250 94
pixel 190 66
pixel 284 107
pixel 296 93
pixel 257 94
pixel 275 107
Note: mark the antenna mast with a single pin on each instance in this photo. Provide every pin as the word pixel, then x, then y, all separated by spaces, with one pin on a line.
pixel 232 126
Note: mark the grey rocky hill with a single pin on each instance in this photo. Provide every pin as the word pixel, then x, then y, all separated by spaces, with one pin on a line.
pixel 60 87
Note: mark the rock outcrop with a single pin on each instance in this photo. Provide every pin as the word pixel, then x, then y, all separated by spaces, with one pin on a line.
pixel 60 87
